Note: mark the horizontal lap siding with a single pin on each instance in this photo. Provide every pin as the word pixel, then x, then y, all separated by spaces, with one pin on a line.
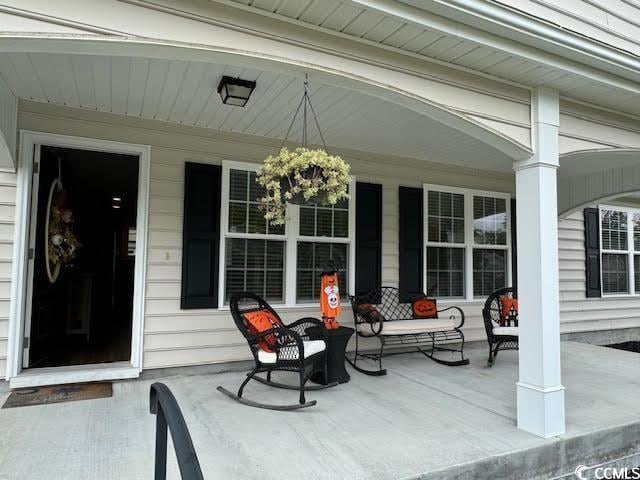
pixel 174 337
pixel 577 312
pixel 7 225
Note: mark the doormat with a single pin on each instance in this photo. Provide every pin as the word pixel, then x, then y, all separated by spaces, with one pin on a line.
pixel 24 397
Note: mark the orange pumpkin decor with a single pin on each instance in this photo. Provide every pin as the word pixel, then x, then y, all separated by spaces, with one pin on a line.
pixel 508 311
pixel 424 308
pixel 330 299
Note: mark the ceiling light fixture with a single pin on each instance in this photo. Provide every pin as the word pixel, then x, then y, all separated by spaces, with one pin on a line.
pixel 235 91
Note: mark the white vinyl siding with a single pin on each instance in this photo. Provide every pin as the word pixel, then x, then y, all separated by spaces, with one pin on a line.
pixel 174 337
pixel 7 224
pixel 577 312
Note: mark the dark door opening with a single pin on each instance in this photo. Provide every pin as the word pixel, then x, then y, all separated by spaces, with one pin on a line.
pixel 85 315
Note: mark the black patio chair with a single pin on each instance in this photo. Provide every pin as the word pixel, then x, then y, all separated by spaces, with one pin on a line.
pixel 502 333
pixel 298 347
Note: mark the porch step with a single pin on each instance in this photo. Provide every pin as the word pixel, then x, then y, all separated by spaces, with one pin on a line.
pixel 556 460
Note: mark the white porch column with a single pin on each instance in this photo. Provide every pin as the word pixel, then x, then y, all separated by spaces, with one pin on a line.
pixel 540 393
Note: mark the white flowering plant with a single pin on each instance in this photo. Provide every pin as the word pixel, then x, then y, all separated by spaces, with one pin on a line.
pixel 301 176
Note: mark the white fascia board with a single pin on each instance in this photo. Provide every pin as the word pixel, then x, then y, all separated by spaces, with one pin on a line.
pixel 537 41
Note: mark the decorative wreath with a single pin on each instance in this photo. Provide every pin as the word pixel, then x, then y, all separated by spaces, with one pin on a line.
pixel 61 244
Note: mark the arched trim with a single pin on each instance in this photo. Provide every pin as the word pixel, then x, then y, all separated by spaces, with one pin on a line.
pixel 608 173
pixel 348 74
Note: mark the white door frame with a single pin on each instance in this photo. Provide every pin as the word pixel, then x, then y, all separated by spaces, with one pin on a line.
pixel 29 143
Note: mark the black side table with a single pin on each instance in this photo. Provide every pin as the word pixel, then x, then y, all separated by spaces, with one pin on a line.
pixel 337 341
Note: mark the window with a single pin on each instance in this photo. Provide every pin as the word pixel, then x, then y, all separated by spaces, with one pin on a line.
pixel 323 240
pixel 620 250
pixel 255 265
pixel 312 257
pixel 282 263
pixel 490 229
pixel 466 231
pixel 254 260
pixel 244 214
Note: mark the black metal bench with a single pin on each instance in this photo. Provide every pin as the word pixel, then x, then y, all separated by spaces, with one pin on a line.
pixel 395 325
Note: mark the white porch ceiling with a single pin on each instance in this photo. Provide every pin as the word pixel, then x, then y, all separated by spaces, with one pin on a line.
pixel 349 18
pixel 186 93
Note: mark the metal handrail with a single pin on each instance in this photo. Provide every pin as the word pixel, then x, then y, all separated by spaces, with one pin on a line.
pixel 164 406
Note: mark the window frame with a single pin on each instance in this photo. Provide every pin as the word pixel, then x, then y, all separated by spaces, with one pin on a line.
pixel 469 244
pixel 630 252
pixel 291 237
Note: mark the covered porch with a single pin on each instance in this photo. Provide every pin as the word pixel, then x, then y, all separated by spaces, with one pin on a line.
pixel 422 420
pixel 429 129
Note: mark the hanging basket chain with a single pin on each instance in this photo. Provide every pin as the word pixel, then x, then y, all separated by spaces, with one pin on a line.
pixel 304 101
pixel 302 176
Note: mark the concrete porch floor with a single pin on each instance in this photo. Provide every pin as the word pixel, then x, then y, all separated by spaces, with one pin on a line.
pixel 422 420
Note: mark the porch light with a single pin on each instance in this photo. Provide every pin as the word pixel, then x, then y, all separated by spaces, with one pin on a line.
pixel 235 91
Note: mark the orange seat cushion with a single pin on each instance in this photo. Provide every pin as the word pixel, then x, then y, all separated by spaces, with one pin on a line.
pixel 260 321
pixel 508 311
pixel 424 308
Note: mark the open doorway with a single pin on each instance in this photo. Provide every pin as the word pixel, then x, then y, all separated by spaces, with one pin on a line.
pixel 82 263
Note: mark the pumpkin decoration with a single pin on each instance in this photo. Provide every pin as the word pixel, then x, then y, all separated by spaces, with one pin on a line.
pixel 424 308
pixel 330 299
pixel 508 311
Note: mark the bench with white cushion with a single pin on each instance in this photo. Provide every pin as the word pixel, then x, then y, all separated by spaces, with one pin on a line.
pixel 393 324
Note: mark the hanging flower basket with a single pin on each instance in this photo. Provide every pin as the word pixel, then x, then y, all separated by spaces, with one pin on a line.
pixel 301 176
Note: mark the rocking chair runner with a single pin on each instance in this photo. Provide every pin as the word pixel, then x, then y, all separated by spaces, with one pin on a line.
pixel 298 347
pixel 502 331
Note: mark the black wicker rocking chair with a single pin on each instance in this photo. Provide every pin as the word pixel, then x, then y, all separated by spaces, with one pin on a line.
pixel 502 333
pixel 288 353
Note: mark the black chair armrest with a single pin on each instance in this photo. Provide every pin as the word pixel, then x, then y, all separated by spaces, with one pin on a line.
pixel 453 317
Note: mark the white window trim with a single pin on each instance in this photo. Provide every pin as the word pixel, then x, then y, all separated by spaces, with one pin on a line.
pixel 630 252
pixel 290 237
pixel 469 244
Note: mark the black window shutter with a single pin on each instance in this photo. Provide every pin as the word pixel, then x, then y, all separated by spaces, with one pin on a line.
pixel 411 244
pixel 368 237
pixel 514 249
pixel 201 236
pixel 592 251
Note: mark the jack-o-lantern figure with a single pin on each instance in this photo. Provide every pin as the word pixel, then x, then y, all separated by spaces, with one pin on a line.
pixel 330 299
pixel 424 308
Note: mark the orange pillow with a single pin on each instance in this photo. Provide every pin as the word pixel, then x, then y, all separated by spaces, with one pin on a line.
pixel 424 308
pixel 260 321
pixel 508 310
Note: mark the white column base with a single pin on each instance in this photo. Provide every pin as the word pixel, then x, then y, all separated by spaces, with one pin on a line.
pixel 541 410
